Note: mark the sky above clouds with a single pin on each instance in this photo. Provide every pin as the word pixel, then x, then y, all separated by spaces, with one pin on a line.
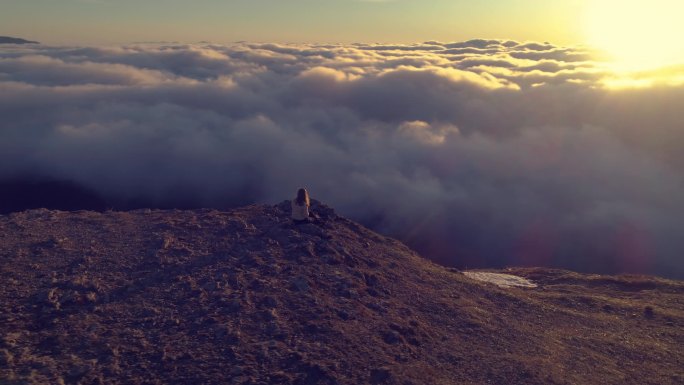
pixel 476 153
pixel 124 21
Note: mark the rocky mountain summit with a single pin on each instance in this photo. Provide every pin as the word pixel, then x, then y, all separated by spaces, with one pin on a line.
pixel 15 40
pixel 246 297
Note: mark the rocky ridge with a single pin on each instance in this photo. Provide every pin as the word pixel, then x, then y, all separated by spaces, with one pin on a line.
pixel 246 297
pixel 15 40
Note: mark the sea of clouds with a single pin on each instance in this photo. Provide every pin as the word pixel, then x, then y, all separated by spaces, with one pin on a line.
pixel 477 153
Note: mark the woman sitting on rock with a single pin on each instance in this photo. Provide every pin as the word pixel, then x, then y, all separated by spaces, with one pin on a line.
pixel 300 207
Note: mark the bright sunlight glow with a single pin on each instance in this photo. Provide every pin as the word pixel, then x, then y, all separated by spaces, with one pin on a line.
pixel 635 34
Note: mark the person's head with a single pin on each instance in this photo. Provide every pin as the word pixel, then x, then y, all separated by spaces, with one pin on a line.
pixel 302 197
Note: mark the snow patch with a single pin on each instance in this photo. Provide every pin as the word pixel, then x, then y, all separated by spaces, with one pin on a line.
pixel 499 279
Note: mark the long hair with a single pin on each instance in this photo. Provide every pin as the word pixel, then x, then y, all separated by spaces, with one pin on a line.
pixel 302 197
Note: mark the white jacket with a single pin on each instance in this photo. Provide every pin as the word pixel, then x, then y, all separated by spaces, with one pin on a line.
pixel 299 213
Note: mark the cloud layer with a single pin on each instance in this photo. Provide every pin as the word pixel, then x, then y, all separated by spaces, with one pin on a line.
pixel 478 153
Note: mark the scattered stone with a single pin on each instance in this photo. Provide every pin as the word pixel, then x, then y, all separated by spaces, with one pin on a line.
pixel 376 307
pixel 273 329
pixel 380 375
pixel 220 331
pixel 210 286
pixel 312 373
pixel 248 226
pixel 343 314
pixel 257 284
pixel 648 312
pixel 10 339
pixel 391 337
pixel 307 249
pixel 6 358
pixel 332 259
pixel 233 337
pixel 404 331
pixel 373 264
pixel 78 371
pixel 322 211
pixel 166 242
pixel 50 296
pixel 351 261
pixel 279 377
pixel 299 284
pixel 250 260
pixel 234 305
pixel 314 328
pixel 268 315
pixel 371 280
pixel 269 302
pixel 311 229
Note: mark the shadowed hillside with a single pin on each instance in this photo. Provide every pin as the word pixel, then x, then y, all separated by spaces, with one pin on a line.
pixel 244 297
pixel 22 194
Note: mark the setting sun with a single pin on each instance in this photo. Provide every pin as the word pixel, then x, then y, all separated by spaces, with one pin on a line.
pixel 636 35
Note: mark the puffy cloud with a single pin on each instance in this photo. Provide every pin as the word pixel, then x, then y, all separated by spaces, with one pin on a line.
pixel 477 153
pixel 45 70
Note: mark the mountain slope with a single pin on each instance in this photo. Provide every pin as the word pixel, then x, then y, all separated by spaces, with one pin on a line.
pixel 245 297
